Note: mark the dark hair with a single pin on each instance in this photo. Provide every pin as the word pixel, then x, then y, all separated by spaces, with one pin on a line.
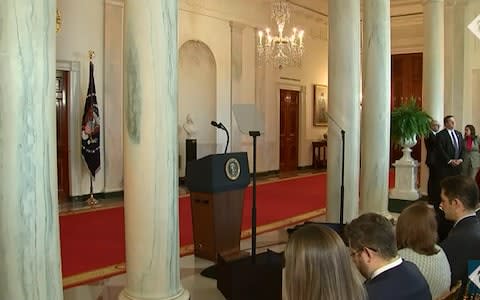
pixel 417 229
pixel 463 188
pixel 372 231
pixel 446 119
pixel 472 130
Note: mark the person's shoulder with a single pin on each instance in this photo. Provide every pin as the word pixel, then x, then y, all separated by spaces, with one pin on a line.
pixel 466 232
pixel 444 131
pixel 409 266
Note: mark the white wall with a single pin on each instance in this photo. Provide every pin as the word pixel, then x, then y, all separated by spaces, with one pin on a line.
pixel 113 103
pixel 471 65
pixel 82 30
pixel 197 96
pixel 314 71
pixel 212 16
pixel 215 33
pixel 239 79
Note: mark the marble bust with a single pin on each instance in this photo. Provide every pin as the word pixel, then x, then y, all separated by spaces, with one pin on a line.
pixel 190 128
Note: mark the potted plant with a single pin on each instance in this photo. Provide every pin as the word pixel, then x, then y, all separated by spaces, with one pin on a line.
pixel 408 122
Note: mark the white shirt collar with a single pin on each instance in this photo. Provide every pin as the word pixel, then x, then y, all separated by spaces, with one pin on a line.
pixel 466 216
pixel 386 267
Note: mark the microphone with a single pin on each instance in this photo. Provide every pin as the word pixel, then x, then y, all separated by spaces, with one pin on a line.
pixel 215 124
pixel 219 125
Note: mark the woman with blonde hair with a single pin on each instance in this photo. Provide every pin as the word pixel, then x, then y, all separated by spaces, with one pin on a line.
pixel 416 242
pixel 318 266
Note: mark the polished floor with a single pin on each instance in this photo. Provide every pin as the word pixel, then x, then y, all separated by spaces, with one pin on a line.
pixel 199 287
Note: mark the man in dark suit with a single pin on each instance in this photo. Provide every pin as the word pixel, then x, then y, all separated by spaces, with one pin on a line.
pixel 448 162
pixel 373 248
pixel 449 146
pixel 459 200
pixel 433 182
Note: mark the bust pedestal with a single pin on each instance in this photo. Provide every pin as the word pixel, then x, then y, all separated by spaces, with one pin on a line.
pixel 191 150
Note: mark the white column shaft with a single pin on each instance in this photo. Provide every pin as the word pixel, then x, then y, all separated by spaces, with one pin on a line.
pixel 150 151
pixel 433 58
pixel 344 105
pixel 29 236
pixel 433 70
pixel 375 146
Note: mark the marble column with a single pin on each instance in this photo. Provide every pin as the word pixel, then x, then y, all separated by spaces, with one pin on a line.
pixel 375 146
pixel 433 70
pixel 343 106
pixel 29 237
pixel 151 151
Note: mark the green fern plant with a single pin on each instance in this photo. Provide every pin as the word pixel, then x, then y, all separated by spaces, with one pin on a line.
pixel 408 121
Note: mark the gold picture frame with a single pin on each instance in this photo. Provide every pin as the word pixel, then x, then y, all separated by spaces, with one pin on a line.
pixel 320 105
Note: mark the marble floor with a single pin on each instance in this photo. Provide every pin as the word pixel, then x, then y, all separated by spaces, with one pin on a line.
pixel 199 287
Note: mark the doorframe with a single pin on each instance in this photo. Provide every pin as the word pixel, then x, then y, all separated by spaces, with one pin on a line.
pixel 73 92
pixel 301 117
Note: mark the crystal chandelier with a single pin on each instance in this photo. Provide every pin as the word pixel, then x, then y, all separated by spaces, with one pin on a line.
pixel 280 50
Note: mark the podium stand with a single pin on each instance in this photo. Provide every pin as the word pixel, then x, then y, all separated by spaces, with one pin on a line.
pixel 217 185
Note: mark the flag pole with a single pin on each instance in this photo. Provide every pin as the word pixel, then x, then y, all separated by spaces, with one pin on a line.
pixel 91 201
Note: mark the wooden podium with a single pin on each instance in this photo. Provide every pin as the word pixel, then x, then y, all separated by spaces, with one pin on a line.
pixel 217 186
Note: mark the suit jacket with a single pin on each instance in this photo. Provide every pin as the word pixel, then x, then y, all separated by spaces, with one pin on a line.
pixel 462 245
pixel 399 283
pixel 445 151
pixel 471 157
pixel 478 213
pixel 430 141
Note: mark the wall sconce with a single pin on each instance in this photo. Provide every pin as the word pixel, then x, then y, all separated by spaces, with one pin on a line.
pixel 58 21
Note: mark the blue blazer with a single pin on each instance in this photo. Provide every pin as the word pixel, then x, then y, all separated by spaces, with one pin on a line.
pixel 403 282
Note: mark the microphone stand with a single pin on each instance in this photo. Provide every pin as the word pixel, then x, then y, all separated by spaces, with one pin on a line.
pixel 228 136
pixel 222 127
pixel 254 135
pixel 342 187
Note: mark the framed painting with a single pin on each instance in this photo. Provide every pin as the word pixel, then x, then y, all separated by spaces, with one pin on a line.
pixel 320 105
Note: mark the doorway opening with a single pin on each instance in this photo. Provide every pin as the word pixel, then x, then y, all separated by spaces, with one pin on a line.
pixel 289 119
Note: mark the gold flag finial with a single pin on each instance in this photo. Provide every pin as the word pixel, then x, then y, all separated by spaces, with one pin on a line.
pixel 58 21
pixel 91 54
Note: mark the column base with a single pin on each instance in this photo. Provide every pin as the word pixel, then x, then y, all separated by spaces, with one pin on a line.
pixel 184 295
pixel 397 205
pixel 411 195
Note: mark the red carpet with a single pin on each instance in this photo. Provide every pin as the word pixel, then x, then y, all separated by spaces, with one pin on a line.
pixel 93 241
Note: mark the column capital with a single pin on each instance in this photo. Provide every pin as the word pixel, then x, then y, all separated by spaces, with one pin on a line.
pixel 236 26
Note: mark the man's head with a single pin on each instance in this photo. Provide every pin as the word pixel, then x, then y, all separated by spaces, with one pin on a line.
pixel 434 125
pixel 371 238
pixel 459 196
pixel 449 122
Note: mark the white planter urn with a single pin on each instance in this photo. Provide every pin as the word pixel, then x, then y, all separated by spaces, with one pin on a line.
pixel 406 174
pixel 407 144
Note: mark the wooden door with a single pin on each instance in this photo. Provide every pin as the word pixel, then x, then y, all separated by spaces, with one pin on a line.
pixel 62 135
pixel 406 83
pixel 289 108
